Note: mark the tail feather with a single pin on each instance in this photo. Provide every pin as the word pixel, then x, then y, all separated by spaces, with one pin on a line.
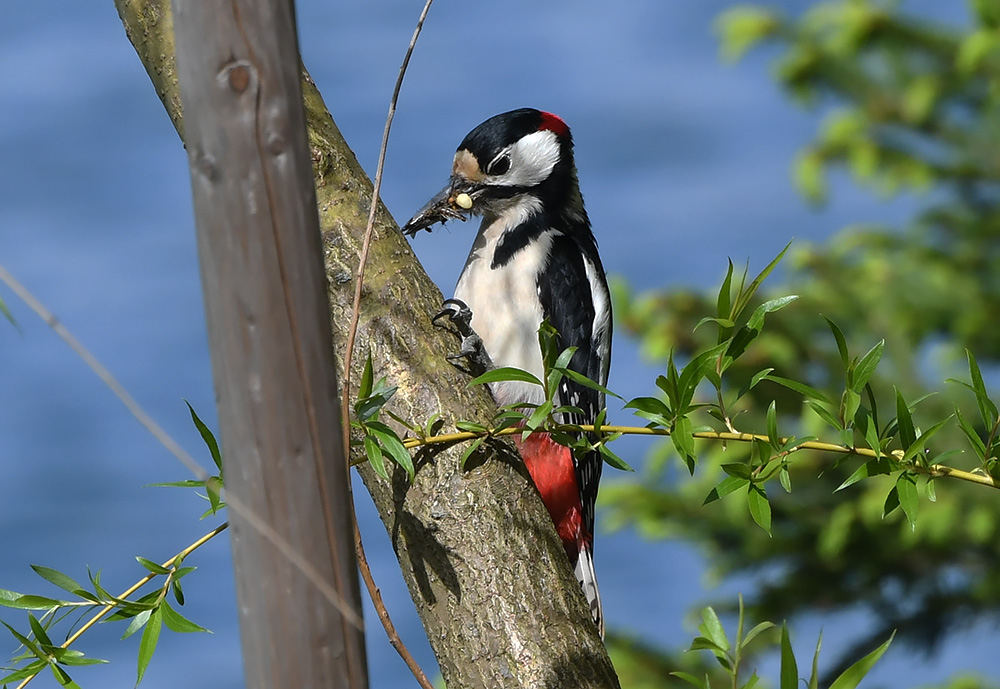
pixel 584 571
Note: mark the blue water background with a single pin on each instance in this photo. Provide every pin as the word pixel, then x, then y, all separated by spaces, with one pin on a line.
pixel 683 161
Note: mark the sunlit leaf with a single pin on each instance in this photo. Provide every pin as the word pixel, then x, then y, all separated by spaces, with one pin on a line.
pixel 853 675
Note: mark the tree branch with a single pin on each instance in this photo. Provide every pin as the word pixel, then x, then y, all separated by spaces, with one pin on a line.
pixel 477 549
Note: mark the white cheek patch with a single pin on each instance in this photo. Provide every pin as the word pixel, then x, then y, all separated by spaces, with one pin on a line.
pixel 531 160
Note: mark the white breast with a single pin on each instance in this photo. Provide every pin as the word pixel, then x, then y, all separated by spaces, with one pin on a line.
pixel 506 310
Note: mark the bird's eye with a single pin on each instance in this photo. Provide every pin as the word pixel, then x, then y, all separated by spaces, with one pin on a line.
pixel 499 166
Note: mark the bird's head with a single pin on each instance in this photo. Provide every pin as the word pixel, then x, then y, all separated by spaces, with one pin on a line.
pixel 519 157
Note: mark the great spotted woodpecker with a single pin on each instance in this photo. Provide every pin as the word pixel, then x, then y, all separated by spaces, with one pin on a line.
pixel 534 258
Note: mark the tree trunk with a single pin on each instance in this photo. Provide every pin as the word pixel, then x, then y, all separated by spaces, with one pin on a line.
pixel 477 549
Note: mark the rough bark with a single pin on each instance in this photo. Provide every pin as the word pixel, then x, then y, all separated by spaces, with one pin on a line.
pixel 477 549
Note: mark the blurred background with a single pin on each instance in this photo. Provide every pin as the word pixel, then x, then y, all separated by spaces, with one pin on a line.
pixel 851 118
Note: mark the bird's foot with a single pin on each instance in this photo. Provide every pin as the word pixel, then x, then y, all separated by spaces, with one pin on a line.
pixel 472 351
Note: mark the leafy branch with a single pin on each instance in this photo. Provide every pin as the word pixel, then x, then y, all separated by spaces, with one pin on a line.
pixel 732 656
pixel 149 613
pixel 854 415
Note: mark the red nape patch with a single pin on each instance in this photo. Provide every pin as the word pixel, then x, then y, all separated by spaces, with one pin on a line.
pixel 553 123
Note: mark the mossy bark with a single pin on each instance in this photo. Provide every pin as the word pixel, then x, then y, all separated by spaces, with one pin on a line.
pixel 476 547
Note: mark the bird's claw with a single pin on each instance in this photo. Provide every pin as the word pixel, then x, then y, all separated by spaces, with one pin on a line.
pixel 472 350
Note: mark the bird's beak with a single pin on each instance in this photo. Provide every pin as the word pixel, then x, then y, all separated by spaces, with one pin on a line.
pixel 455 201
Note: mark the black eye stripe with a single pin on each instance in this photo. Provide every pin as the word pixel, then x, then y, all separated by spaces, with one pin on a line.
pixel 499 166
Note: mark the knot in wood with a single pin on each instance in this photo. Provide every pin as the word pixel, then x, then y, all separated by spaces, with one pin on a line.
pixel 238 75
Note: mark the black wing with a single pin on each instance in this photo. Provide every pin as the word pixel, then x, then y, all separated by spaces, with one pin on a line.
pixel 584 322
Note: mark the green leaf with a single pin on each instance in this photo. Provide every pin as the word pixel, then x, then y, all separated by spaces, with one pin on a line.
pixel 73 657
pixel 906 490
pixel 907 435
pixel 853 675
pixel 891 502
pixel 801 388
pixel 789 668
pixel 613 459
pixel 26 642
pixel 393 445
pixel 6 313
pixel 772 426
pixel 785 479
pixel 987 409
pixel 683 440
pixel 147 644
pixel 176 622
pixel 724 300
pixel 469 450
pixel 137 623
pixel 374 453
pixel 728 485
pixel 747 295
pixel 506 373
pixel 866 367
pixel 691 679
pixel 206 436
pixel 152 566
pixel 367 379
pixel 538 417
pixel 470 427
pixel 814 676
pixel 11 599
pixel 826 413
pixel 651 409
pixel 712 629
pixel 920 443
pixel 693 374
pixel 737 469
pixel 56 577
pixel 588 383
pixel 978 446
pixel 39 631
pixel 27 671
pixel 760 508
pixel 741 28
pixel 752 634
pixel 838 335
pixel 873 467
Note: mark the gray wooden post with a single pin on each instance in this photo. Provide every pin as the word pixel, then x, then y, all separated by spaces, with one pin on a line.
pixel 270 337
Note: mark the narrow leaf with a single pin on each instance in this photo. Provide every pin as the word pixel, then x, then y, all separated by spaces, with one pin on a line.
pixel 906 489
pixel 468 451
pixel 838 335
pixel 728 485
pixel 789 668
pixel 176 622
pixel 56 577
pixel 760 508
pixel 374 453
pixel 207 437
pixel 506 373
pixel 866 367
pixel 853 675
pixel 904 422
pixel 801 388
pixel 147 644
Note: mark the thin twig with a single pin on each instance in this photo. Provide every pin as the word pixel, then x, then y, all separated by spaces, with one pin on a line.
pixel 132 589
pixel 233 501
pixel 345 403
pixel 937 470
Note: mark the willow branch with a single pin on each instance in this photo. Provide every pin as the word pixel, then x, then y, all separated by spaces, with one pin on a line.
pixel 934 470
pixel 132 589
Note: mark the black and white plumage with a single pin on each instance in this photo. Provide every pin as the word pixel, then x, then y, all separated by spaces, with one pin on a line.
pixel 535 257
